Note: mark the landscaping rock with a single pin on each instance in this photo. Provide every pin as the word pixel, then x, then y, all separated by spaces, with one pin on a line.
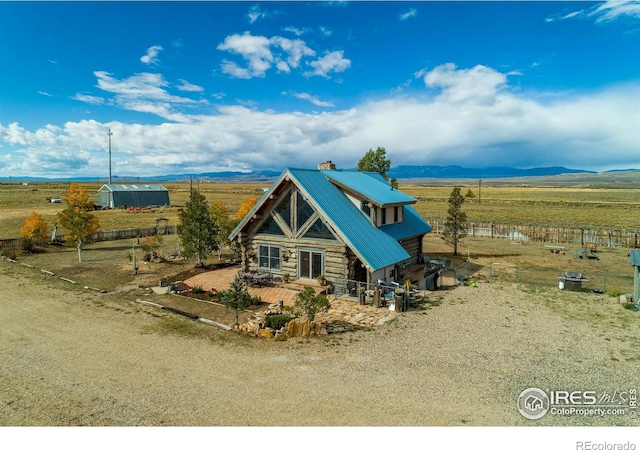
pixel 266 333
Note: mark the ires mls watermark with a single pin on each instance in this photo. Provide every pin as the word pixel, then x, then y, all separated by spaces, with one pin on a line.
pixel 534 403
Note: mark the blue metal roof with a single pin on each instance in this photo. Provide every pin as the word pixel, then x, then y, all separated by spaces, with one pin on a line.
pixel 412 225
pixel 635 257
pixel 370 185
pixel 374 247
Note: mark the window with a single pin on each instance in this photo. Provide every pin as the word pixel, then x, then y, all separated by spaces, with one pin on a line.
pixel 365 208
pixel 383 214
pixel 269 257
pixel 284 209
pixel 304 211
pixel 319 231
pixel 270 227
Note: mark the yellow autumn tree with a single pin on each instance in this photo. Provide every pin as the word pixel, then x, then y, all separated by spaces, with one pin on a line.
pixel 33 232
pixel 77 219
pixel 245 207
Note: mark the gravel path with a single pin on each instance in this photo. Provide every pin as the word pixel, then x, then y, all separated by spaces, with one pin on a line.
pixel 72 358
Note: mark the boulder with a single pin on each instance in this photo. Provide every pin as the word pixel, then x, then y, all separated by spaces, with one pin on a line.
pixel 266 333
pixel 301 327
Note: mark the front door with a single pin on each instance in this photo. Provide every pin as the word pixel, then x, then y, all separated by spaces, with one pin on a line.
pixel 311 264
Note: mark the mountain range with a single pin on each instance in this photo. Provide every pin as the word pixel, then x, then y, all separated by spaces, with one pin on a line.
pixel 399 172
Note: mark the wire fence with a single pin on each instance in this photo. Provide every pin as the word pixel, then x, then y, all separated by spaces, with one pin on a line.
pixel 129 233
pixel 581 236
pixel 600 282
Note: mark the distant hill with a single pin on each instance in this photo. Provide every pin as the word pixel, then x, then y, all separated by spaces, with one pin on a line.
pixel 560 176
pixel 488 172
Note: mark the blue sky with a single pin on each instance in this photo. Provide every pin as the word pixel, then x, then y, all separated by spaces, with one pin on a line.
pixel 204 87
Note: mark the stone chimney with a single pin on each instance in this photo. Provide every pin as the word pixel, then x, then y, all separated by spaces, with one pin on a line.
pixel 327 166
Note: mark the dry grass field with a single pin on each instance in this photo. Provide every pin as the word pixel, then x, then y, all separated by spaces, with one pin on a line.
pixel 588 207
pixel 73 356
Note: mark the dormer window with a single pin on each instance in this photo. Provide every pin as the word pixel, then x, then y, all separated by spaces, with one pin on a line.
pixel 365 208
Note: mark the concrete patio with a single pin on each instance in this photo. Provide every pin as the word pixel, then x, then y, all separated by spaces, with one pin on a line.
pixel 343 315
pixel 220 279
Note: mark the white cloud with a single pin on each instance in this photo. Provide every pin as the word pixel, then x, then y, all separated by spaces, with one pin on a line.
pixel 608 11
pixel 151 58
pixel 261 54
pixel 325 31
pixel 478 85
pixel 615 9
pixel 330 62
pixel 256 13
pixel 310 98
pixel 91 99
pixel 407 15
pixel 296 31
pixel 254 49
pixel 144 92
pixel 467 116
pixel 189 87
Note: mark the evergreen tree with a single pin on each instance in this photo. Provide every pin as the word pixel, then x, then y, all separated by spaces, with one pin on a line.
pixel 237 297
pixel 375 161
pixel 455 226
pixel 308 303
pixel 198 230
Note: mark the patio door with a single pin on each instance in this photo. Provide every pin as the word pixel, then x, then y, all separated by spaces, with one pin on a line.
pixel 311 263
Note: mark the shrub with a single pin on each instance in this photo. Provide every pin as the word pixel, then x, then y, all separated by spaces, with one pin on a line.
pixel 277 321
pixel 197 290
pixel 615 292
pixel 255 300
pixel 28 245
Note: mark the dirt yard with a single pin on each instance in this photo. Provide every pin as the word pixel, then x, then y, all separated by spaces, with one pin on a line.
pixel 73 357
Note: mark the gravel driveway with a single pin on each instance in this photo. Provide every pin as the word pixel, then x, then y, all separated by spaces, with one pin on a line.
pixel 81 358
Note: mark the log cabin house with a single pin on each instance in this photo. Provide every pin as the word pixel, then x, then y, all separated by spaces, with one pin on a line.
pixel 331 223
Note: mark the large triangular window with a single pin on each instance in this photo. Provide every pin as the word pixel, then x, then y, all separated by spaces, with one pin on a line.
pixel 319 231
pixel 304 211
pixel 270 227
pixel 284 209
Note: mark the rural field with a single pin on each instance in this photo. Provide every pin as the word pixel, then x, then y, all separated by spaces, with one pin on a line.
pixel 73 356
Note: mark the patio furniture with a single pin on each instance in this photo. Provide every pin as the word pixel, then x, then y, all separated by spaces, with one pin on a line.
pixel 261 279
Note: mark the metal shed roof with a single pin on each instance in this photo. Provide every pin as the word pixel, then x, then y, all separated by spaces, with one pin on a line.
pixel 133 187
pixel 370 185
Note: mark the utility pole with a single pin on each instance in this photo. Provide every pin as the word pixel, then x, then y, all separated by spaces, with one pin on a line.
pixel 479 190
pixel 109 133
